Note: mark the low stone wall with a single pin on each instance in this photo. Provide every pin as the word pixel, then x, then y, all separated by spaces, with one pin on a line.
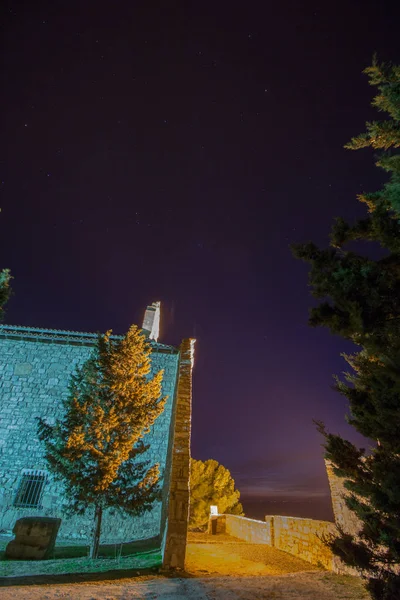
pixel 302 538
pixel 297 536
pixel 255 532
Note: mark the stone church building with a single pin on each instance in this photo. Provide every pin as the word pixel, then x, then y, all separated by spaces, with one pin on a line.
pixel 35 368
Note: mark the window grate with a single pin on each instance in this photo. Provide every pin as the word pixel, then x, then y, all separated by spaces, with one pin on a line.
pixel 30 489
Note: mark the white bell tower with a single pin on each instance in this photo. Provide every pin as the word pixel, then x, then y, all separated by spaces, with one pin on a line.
pixel 151 321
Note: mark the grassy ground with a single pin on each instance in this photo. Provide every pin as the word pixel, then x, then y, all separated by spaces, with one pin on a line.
pixel 346 586
pixel 144 554
pixel 65 550
pixel 20 568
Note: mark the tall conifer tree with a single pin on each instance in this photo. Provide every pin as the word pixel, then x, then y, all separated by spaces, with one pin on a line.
pixel 4 290
pixel 360 300
pixel 96 448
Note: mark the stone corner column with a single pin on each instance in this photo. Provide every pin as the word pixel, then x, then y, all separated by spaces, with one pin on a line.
pixel 344 517
pixel 179 493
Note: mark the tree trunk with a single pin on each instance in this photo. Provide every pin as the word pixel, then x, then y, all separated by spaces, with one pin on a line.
pixel 94 550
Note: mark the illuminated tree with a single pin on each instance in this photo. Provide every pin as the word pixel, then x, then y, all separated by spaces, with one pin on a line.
pixel 211 484
pixel 360 300
pixel 96 448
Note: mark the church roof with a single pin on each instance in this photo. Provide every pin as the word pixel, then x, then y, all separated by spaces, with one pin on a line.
pixel 61 336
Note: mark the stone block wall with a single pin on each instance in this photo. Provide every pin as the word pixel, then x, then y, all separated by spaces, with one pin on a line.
pixel 344 517
pixel 34 373
pixel 297 536
pixel 254 532
pixel 302 538
pixel 174 540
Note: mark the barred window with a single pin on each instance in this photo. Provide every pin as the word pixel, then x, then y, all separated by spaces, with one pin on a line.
pixel 30 489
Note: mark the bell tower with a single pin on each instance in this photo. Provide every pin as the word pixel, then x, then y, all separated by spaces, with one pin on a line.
pixel 151 321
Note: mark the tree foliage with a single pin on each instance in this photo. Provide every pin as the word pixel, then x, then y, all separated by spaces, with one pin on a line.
pixel 96 449
pixel 5 290
pixel 360 301
pixel 211 484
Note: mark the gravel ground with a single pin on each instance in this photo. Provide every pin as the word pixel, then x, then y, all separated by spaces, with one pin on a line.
pixel 298 586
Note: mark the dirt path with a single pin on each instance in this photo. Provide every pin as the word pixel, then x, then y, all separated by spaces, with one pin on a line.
pixel 298 586
pixel 225 555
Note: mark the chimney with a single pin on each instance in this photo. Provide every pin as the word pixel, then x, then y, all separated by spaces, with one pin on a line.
pixel 151 321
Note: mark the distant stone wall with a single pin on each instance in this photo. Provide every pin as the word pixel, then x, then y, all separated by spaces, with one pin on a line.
pixel 254 532
pixel 297 536
pixel 300 537
pixel 34 375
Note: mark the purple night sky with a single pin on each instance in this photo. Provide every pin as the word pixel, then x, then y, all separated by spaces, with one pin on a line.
pixel 172 151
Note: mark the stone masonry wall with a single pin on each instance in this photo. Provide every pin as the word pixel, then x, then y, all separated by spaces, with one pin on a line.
pixel 34 375
pixel 344 517
pixel 297 536
pixel 174 542
pixel 302 538
pixel 254 532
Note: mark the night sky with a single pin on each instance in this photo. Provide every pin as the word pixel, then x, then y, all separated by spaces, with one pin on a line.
pixel 172 151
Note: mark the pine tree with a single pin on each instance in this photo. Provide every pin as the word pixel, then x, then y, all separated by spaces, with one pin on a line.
pixel 4 290
pixel 360 301
pixel 96 448
pixel 211 484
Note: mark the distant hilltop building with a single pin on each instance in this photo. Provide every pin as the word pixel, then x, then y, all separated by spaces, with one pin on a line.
pixel 35 369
